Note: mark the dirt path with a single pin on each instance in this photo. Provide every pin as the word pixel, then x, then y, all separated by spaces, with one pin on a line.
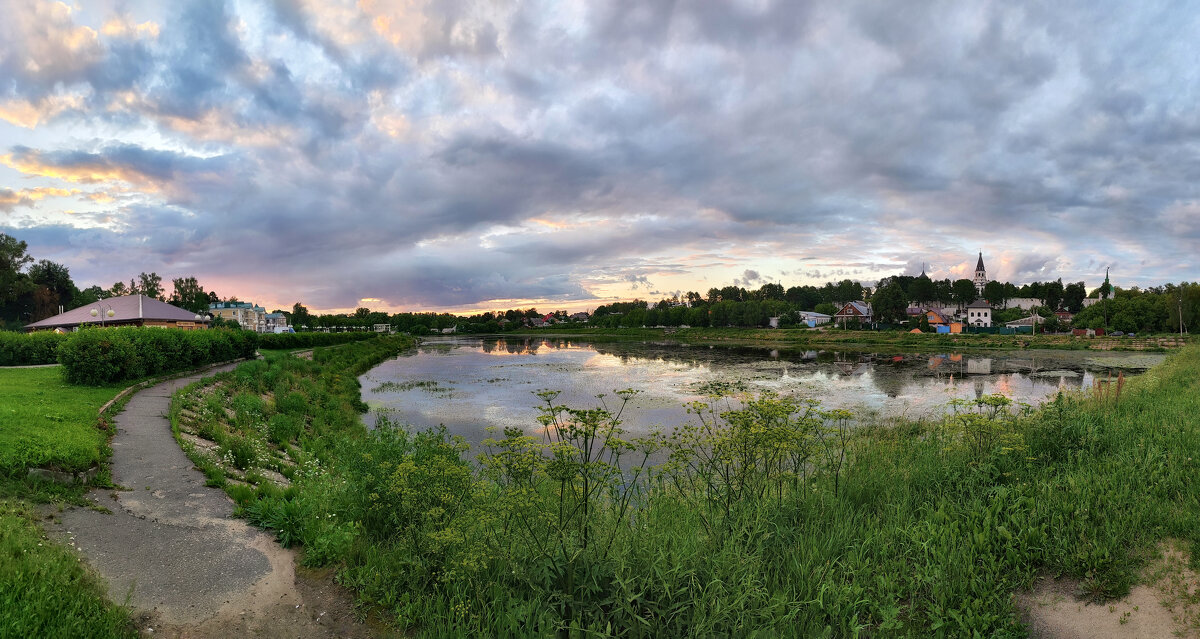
pixel 171 550
pixel 1166 604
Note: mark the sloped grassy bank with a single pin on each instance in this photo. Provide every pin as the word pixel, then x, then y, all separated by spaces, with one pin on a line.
pixel 772 518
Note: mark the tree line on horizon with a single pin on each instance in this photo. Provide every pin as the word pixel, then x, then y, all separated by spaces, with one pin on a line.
pixel 32 290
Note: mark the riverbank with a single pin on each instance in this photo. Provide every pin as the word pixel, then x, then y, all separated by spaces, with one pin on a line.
pixel 881 340
pixel 802 527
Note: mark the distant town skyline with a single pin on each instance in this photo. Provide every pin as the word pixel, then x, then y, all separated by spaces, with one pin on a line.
pixel 464 156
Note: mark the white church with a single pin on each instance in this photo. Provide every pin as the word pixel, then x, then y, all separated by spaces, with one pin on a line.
pixel 979 312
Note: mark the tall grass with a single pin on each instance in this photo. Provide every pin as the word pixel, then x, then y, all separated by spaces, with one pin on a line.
pixel 770 517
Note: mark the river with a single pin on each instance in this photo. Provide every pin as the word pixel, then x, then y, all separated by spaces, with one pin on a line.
pixel 468 384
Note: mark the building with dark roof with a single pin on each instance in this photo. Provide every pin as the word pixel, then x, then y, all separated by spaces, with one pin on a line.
pixel 248 315
pixel 979 314
pixel 128 310
pixel 859 311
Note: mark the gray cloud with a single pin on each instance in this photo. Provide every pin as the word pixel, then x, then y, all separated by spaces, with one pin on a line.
pixel 851 139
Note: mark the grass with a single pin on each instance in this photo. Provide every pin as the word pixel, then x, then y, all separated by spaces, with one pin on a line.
pixel 771 517
pixel 45 422
pixel 45 590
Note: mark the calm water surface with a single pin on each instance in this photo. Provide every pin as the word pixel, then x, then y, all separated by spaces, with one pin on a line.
pixel 468 384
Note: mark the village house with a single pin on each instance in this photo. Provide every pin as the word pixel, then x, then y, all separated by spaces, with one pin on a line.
pixel 275 321
pixel 979 314
pixel 246 314
pixel 128 310
pixel 1030 322
pixel 860 311
pixel 813 319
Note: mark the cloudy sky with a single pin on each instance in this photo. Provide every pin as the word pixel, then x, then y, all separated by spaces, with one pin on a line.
pixel 446 154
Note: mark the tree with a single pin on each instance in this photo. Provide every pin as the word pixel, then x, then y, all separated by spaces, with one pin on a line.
pixel 119 289
pixel 890 302
pixel 190 295
pixel 150 285
pixel 1073 296
pixel 964 292
pixel 300 316
pixel 220 322
pixel 922 290
pixel 771 291
pixel 1052 294
pixel 993 292
pixel 13 260
pixel 826 308
pixel 847 291
pixel 944 291
pixel 56 279
pixel 86 296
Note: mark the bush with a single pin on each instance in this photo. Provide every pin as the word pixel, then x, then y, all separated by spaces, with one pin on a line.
pixel 28 349
pixel 283 429
pixel 96 356
pixel 291 403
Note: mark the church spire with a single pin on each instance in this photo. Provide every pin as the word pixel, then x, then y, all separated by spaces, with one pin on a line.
pixel 980 279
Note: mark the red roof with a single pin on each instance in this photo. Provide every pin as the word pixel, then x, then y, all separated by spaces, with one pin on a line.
pixel 126 309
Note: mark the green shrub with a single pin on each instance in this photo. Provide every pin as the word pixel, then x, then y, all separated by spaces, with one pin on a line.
pixel 240 452
pixel 249 410
pixel 291 403
pixel 283 428
pixel 96 356
pixel 28 349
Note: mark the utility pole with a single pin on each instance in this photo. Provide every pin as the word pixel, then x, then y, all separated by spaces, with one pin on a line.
pixel 1181 310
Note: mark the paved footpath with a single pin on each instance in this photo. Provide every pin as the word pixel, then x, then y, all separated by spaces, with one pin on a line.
pixel 172 551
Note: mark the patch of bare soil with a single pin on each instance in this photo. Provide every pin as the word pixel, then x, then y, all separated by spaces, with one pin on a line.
pixel 1166 604
pixel 289 602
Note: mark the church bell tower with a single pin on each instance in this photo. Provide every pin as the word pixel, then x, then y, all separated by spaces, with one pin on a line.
pixel 980 275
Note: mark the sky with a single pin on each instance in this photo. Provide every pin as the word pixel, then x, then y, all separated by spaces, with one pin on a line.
pixel 449 155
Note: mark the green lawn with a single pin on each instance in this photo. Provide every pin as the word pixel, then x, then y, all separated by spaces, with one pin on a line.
pixel 45 591
pixel 46 422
